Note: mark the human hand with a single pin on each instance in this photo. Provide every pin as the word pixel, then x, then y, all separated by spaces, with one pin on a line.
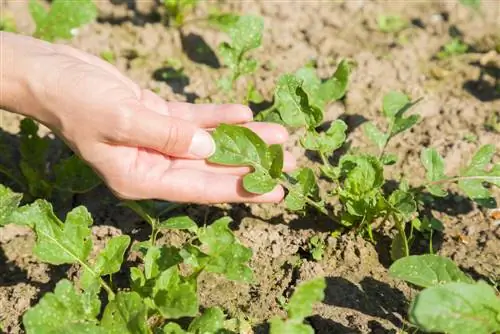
pixel 141 146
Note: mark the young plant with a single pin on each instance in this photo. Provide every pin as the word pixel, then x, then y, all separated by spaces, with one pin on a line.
pixel 316 247
pixel 391 23
pixel 162 289
pixel 245 35
pixel 455 47
pixel 177 10
pixel 299 307
pixel 62 19
pixel 451 302
pixel 31 171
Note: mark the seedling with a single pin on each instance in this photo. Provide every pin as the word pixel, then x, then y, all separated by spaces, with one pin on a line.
pixel 316 248
pixel 245 35
pixel 31 171
pixel 177 10
pixel 299 307
pixel 451 302
pixel 391 23
pixel 63 18
pixel 455 47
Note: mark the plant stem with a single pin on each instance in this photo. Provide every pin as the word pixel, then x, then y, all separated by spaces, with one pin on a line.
pixel 263 114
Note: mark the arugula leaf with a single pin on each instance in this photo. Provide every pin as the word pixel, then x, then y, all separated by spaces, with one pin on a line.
pixel 159 259
pixel 375 135
pixel 173 328
pixel 109 260
pixel 59 243
pixel 62 18
pixel 393 102
pixel 175 296
pixel 434 165
pixel 403 204
pixel 74 175
pixel 294 105
pixel 64 311
pixel 399 246
pixel 363 173
pixel 223 21
pixel 227 255
pixel 300 307
pixel 457 308
pixel 335 87
pixel 211 321
pixel 178 9
pixel 326 142
pixel 304 187
pixel 476 174
pixel 179 223
pixel 9 202
pixel 125 314
pixel 34 150
pixel 428 270
pixel 239 146
pixel 394 106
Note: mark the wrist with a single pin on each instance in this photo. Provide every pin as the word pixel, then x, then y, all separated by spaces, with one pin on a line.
pixel 17 55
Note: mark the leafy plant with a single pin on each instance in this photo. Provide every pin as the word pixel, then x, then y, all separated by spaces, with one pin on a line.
pixel 33 173
pixel 316 247
pixel 451 302
pixel 299 307
pixel 391 23
pixel 455 47
pixel 245 34
pixel 177 10
pixel 62 19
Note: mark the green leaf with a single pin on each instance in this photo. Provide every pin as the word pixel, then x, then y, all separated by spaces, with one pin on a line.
pixel 179 223
pixel 428 270
pixel 326 142
pixel 109 260
pixel 173 328
pixel 375 135
pixel 239 146
pixel 126 314
pixel 159 259
pixel 402 124
pixel 476 174
pixel 62 18
pixel 223 21
pixel 9 202
pixel 293 103
pixel 389 159
pixel 74 175
pixel 335 88
pixel 391 23
pixel 304 297
pixel 403 203
pixel 279 326
pixel 246 33
pixel 211 321
pixel 305 186
pixel 227 255
pixel 59 243
pixel 434 165
pixel 64 311
pixel 457 308
pixel 399 246
pixel 175 296
pixel 475 4
pixel 363 173
pixel 393 102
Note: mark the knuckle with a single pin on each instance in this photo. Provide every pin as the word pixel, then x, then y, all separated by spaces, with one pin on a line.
pixel 171 140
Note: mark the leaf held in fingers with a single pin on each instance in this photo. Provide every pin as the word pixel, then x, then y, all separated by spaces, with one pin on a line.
pixel 239 146
pixel 9 202
pixel 434 165
pixel 457 308
pixel 227 255
pixel 64 311
pixel 126 314
pixel 428 270
pixel 477 173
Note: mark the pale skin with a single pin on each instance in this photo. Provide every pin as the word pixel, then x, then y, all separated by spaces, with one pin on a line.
pixel 142 146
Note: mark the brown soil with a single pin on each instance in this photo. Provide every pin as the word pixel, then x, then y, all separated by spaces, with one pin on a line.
pixel 361 297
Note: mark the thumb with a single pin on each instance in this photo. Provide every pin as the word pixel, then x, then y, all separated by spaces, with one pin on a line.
pixel 172 136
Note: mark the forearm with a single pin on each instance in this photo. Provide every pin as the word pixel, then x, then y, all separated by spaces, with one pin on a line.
pixel 17 54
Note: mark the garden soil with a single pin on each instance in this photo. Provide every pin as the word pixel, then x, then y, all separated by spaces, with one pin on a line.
pixel 458 97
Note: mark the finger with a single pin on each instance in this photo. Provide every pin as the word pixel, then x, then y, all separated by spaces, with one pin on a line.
pixel 140 127
pixel 289 164
pixel 192 186
pixel 203 115
pixel 271 133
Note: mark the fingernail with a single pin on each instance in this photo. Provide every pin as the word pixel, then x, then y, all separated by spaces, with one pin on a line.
pixel 202 146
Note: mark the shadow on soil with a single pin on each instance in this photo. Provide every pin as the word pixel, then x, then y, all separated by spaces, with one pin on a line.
pixel 198 51
pixel 486 87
